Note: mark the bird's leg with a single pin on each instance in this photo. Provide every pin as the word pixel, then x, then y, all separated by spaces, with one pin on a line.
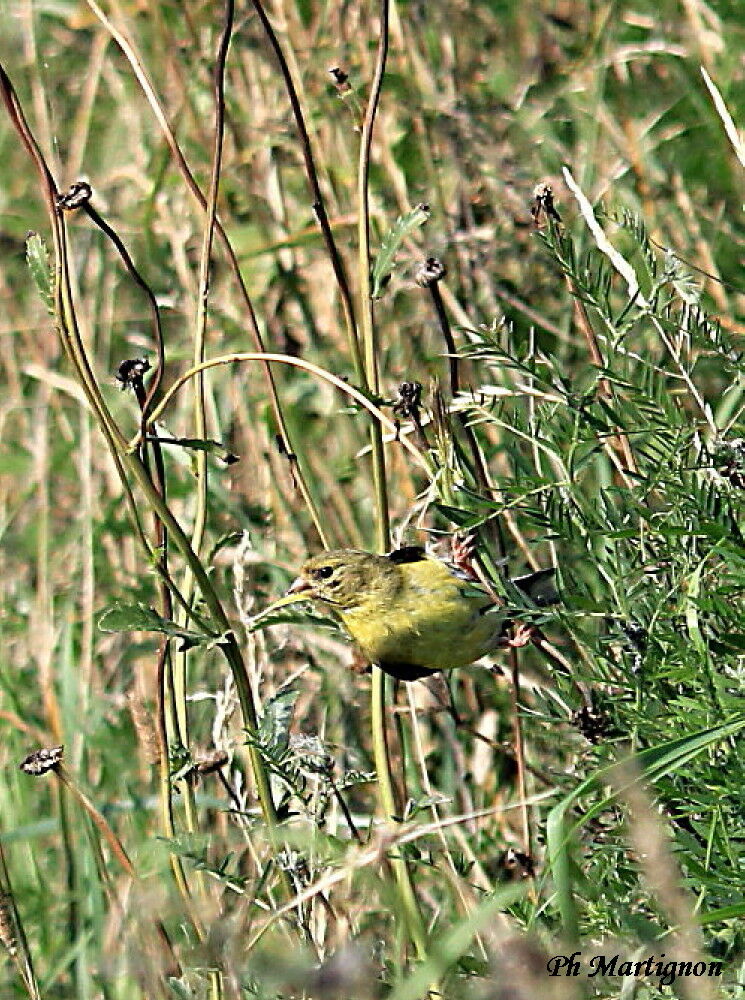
pixel 522 635
pixel 462 551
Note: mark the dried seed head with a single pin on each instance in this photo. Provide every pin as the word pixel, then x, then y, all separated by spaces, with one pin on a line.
pixel 409 399
pixel 142 719
pixel 543 204
pixel 543 192
pixel 41 761
pixel 77 195
pixel 636 635
pixel 729 461
pixel 430 272
pixel 131 371
pixel 341 79
pixel 517 864
pixel 592 724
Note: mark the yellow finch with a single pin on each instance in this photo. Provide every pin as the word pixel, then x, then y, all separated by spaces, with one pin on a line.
pixel 409 613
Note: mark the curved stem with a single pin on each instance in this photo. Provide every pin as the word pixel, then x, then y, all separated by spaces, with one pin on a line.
pixel 287 359
pixel 136 63
pixel 70 335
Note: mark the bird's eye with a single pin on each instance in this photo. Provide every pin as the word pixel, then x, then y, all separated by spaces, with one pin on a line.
pixel 323 572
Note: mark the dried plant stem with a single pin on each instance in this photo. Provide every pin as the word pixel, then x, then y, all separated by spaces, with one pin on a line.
pixel 142 78
pixel 465 903
pixel 99 820
pixel 200 421
pixel 319 206
pixel 363 857
pixel 166 701
pixel 288 359
pixel 126 460
pixel 604 389
pixel 117 849
pixel 12 933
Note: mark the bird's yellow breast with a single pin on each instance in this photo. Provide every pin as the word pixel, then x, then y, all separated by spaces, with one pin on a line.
pixel 433 620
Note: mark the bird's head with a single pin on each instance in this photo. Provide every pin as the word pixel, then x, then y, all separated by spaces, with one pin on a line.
pixel 344 578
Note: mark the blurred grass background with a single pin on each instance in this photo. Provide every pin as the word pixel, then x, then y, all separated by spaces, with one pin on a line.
pixel 481 102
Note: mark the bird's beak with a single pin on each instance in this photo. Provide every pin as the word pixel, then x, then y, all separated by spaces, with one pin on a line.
pixel 297 592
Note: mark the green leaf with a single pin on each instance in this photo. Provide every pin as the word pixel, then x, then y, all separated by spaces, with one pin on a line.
pixel 385 260
pixel 291 609
pixel 37 256
pixel 449 948
pixel 652 764
pixel 355 777
pixel 274 728
pixel 732 912
pixel 215 448
pixel 119 617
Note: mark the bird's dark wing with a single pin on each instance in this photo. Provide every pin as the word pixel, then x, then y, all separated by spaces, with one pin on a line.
pixel 407 554
pixel 539 586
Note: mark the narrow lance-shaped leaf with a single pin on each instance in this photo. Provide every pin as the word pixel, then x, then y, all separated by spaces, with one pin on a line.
pixel 215 448
pixel 37 256
pixel 385 260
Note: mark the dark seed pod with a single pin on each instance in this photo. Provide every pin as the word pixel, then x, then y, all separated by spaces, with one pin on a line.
pixel 77 195
pixel 42 761
pixel 430 272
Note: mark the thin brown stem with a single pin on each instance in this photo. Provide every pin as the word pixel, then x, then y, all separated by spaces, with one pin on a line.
pixel 130 462
pixel 519 745
pixel 493 526
pixel 157 376
pixel 197 193
pixel 319 207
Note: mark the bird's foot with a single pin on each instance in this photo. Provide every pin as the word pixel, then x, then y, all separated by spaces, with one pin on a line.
pixel 522 635
pixel 462 551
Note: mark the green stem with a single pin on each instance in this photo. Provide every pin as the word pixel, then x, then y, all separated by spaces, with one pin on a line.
pixel 69 334
pixel 200 420
pixel 287 359
pixel 387 799
pixel 369 333
pixel 229 643
pixel 409 903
